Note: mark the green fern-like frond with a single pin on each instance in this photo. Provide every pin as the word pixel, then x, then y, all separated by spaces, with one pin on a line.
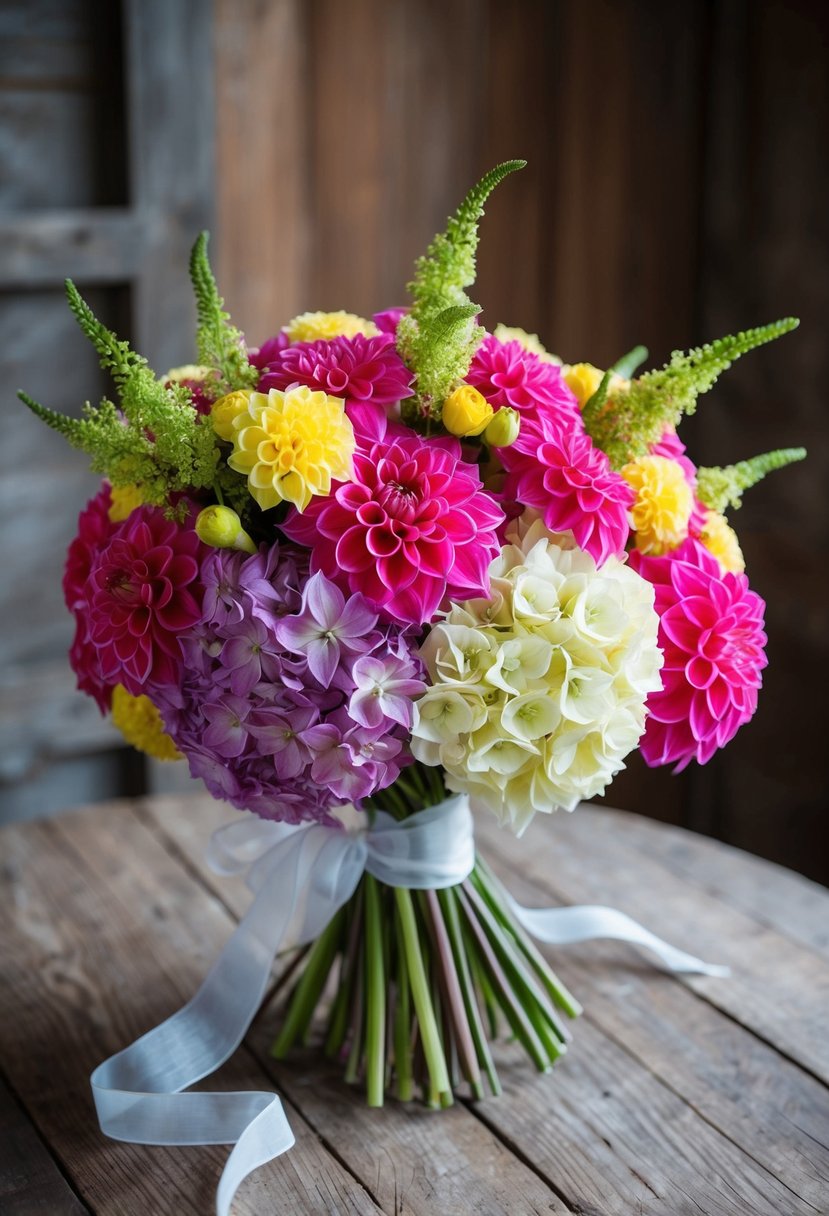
pixel 439 337
pixel 634 416
pixel 220 344
pixel 721 488
pixel 448 266
pixel 156 439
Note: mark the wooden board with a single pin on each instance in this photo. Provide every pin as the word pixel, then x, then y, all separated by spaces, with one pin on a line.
pixel 676 1096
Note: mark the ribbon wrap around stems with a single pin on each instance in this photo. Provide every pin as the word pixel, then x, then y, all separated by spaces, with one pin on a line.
pixel 300 876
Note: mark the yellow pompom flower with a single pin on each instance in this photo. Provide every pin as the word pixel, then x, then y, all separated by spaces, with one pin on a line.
pixel 663 505
pixel 530 342
pixel 224 411
pixel 124 501
pixel 190 372
pixel 292 445
pixel 312 326
pixel 466 411
pixel 140 723
pixel 720 539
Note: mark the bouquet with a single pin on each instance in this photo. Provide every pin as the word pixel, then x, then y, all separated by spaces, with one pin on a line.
pixel 387 569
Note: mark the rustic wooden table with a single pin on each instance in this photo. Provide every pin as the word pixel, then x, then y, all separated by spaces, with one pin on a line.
pixel 677 1096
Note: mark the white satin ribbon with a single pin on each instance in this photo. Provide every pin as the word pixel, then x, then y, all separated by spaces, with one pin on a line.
pixel 300 876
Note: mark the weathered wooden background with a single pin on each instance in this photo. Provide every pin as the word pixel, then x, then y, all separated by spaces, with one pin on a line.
pixel 676 191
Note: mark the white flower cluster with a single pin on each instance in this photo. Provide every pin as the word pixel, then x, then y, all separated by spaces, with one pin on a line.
pixel 538 693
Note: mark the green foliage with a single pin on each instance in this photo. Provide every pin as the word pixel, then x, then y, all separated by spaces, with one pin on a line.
pixel 220 344
pixel 156 440
pixel 596 402
pixel 632 418
pixel 721 488
pixel 439 337
pixel 629 363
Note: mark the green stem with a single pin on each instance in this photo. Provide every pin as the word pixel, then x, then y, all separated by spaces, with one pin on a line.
pixel 449 907
pixel 402 1021
pixel 491 889
pixel 341 1006
pixel 430 1036
pixel 452 994
pixel 514 1012
pixel 375 996
pixel 309 987
pixel 532 999
pixel 355 1054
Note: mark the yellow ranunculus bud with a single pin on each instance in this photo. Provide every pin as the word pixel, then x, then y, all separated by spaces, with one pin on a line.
pixel 223 411
pixel 583 379
pixel 222 528
pixel 466 411
pixel 503 429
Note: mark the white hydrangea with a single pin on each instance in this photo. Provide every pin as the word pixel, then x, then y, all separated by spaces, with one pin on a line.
pixel 538 693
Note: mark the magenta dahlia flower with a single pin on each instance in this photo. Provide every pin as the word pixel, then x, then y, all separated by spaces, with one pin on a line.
pixel 367 372
pixel 143 592
pixel 711 634
pixel 94 531
pixel 558 471
pixel 507 374
pixel 414 527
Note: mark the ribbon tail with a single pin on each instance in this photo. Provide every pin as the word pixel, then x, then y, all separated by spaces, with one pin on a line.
pixel 137 1092
pixel 564 926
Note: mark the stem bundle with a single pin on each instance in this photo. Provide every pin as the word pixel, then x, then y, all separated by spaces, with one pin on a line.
pixel 417 974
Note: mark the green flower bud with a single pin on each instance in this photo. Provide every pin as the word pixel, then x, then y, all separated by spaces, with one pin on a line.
pixel 503 429
pixel 222 528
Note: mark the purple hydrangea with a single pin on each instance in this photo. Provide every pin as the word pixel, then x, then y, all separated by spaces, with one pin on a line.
pixel 293 700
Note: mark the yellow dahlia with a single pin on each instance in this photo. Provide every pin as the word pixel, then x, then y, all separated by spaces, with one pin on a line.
pixel 140 723
pixel 663 505
pixel 292 445
pixel 311 326
pixel 720 539
pixel 124 501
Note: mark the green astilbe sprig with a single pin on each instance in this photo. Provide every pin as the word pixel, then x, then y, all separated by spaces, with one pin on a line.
pixel 155 438
pixel 438 337
pixel 720 488
pixel 633 417
pixel 220 345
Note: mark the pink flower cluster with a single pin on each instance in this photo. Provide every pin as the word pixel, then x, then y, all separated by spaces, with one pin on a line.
pixel 134 589
pixel 553 466
pixel 711 634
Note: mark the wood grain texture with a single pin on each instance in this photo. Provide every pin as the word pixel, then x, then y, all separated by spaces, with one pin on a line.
pixel 675 1095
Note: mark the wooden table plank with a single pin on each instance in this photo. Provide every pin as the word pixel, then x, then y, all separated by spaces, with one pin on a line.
pixel 132 912
pixel 778 989
pixel 107 938
pixel 734 1080
pixel 679 1043
pixel 797 910
pixel 30 1180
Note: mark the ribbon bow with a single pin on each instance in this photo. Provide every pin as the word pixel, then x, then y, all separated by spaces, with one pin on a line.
pixel 300 876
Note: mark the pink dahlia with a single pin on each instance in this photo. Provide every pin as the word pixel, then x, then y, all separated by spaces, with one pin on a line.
pixel 560 472
pixel 143 592
pixel 413 527
pixel 94 531
pixel 711 634
pixel 507 374
pixel 367 372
